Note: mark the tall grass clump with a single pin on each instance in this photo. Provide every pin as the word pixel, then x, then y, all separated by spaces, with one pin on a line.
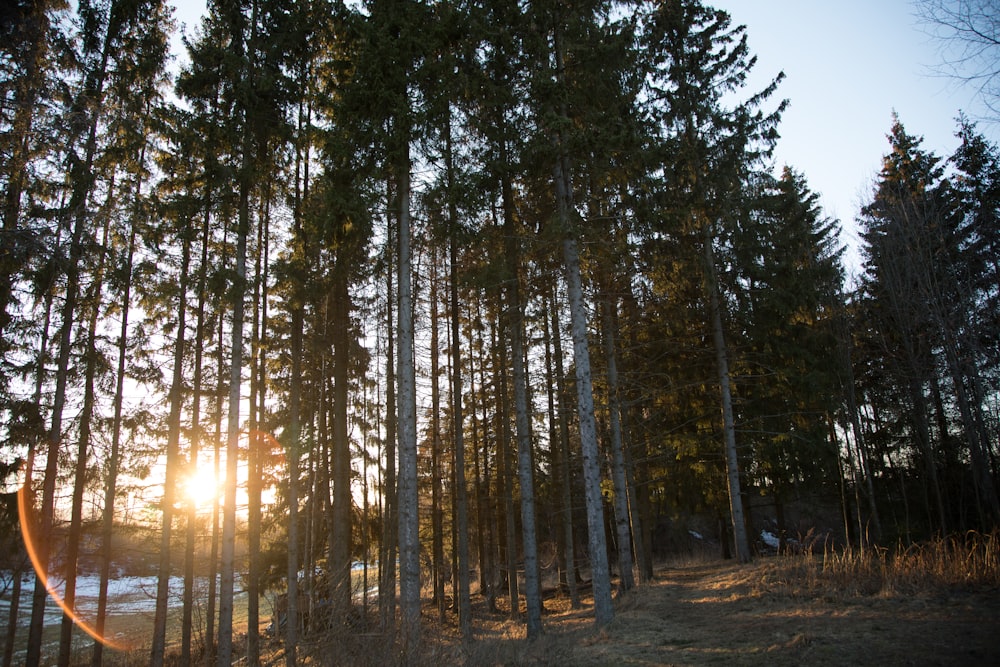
pixel 969 561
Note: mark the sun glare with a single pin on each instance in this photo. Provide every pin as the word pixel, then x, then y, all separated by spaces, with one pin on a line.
pixel 201 487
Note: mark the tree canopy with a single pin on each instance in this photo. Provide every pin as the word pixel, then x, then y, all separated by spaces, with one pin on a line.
pixel 476 299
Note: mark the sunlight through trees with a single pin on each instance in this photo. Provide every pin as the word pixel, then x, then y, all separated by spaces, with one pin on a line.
pixel 365 307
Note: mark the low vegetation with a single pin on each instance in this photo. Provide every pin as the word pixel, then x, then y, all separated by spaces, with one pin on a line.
pixel 932 603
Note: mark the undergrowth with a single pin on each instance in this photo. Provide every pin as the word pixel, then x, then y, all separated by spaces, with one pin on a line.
pixel 934 569
pixel 966 561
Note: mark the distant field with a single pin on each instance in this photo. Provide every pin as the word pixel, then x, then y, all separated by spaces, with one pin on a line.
pixel 131 608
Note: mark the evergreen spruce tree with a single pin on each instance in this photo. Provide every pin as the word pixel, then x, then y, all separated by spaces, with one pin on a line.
pixel 696 57
pixel 790 263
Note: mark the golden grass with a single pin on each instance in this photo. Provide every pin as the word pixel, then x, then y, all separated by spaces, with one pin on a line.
pixel 968 560
pixel 930 603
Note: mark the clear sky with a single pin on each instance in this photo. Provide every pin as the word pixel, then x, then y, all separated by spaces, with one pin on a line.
pixel 848 64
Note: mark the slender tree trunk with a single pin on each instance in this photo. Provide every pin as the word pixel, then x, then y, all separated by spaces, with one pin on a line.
pixel 644 559
pixel 409 517
pixel 600 572
pixel 532 584
pixel 294 431
pixel 256 439
pixel 484 507
pixel 555 450
pixel 864 466
pixel 461 492
pixel 986 495
pixel 437 518
pixel 390 521
pixel 341 535
pixel 213 572
pixel 919 415
pixel 728 423
pixel 227 565
pixel 637 474
pixel 505 483
pixel 211 609
pixel 172 465
pixel 187 613
pixel 93 302
pixel 622 527
pixel 565 477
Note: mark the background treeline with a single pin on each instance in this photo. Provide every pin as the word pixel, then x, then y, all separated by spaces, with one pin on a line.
pixel 470 288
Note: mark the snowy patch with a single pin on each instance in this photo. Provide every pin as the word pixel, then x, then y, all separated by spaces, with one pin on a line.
pixel 126 595
pixel 770 539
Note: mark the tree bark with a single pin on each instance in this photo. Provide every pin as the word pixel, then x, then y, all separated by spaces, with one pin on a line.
pixel 93 302
pixel 437 511
pixel 728 423
pixel 171 470
pixel 532 585
pixel 461 491
pixel 600 573
pixel 562 444
pixel 409 518
pixel 390 518
pixel 621 502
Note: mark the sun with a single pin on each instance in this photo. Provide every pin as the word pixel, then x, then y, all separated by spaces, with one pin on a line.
pixel 201 487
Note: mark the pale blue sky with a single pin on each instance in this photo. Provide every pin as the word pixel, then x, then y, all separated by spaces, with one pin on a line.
pixel 848 64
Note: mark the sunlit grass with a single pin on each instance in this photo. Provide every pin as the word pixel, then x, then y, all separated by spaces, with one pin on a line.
pixel 785 607
pixel 970 560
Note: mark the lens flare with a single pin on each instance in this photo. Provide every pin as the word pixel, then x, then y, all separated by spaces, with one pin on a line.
pixel 25 503
pixel 267 447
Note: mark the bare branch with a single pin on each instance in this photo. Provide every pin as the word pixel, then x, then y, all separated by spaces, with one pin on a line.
pixel 968 33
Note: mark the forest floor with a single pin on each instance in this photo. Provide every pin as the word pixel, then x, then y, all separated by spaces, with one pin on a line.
pixel 776 611
pixel 790 610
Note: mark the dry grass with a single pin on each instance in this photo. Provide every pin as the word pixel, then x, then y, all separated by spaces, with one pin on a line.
pixel 936 603
pixel 967 561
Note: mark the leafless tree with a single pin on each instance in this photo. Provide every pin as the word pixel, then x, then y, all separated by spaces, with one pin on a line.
pixel 968 32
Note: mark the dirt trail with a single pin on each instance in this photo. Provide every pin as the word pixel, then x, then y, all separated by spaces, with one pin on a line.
pixel 773 612
pixel 727 615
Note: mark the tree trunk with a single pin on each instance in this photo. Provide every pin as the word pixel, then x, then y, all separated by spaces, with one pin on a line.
pixel 409 517
pixel 505 482
pixel 638 473
pixel 213 571
pixel 93 302
pixel 172 465
pixel 437 519
pixel 257 440
pixel 728 424
pixel 224 656
pixel 293 433
pixel 565 477
pixel 187 618
pixel 484 500
pixel 622 527
pixel 864 467
pixel 390 519
pixel 600 573
pixel 532 585
pixel 341 536
pixel 461 492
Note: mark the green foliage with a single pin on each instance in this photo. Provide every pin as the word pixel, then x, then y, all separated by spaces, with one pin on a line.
pixel 628 127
